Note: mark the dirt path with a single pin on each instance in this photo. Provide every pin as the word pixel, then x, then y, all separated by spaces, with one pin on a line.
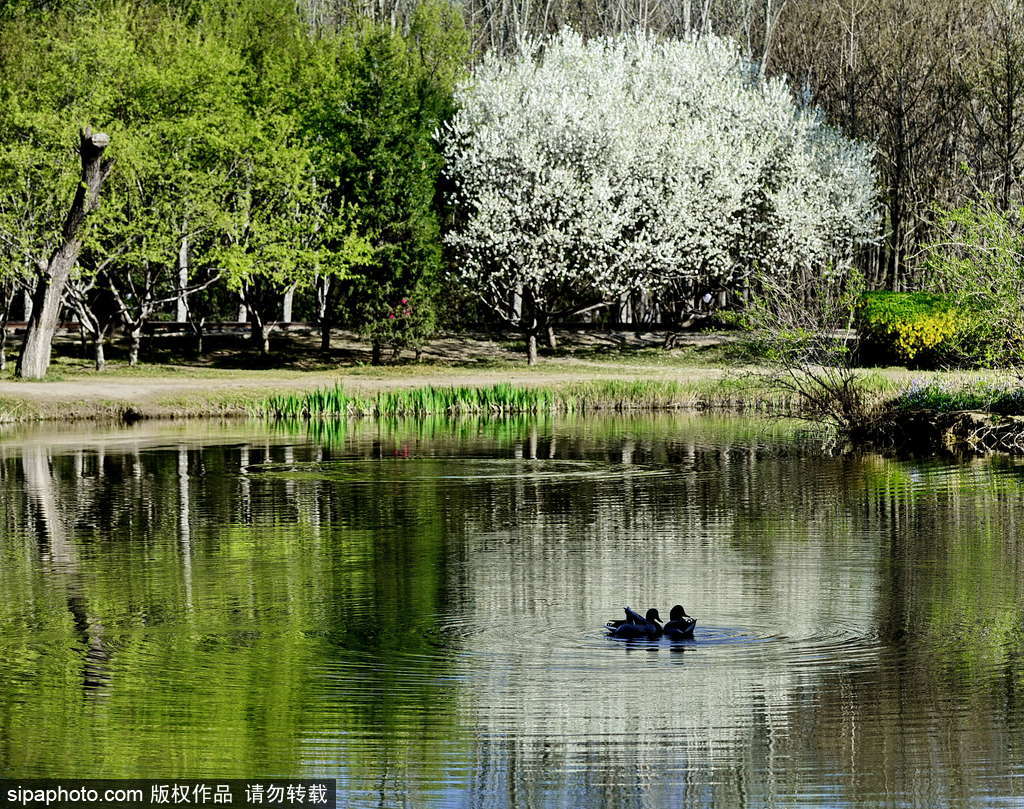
pixel 136 389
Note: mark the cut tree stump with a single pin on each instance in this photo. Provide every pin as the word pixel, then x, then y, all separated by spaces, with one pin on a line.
pixel 53 275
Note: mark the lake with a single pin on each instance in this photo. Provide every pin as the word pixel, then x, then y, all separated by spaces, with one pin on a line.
pixel 416 609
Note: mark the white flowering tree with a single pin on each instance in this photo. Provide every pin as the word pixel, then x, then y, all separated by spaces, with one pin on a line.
pixel 581 171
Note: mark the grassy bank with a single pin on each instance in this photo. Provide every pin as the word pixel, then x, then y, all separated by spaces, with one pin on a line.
pixel 557 386
pixel 388 392
pixel 229 380
pixel 963 416
pixel 460 375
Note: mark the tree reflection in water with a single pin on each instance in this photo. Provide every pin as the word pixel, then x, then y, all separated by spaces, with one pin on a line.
pixel 415 609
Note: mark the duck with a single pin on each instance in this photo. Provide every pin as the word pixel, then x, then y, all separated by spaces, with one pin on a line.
pixel 637 626
pixel 632 617
pixel 680 625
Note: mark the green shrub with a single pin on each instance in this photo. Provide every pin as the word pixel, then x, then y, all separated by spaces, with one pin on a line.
pixel 910 327
pixel 976 258
pixel 405 324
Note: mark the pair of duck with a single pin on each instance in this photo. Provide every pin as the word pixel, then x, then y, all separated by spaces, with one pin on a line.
pixel 679 627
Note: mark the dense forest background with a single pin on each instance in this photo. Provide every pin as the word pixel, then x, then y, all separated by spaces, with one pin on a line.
pixel 204 188
pixel 937 85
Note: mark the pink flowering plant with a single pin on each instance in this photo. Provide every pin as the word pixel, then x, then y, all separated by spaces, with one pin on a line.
pixel 402 324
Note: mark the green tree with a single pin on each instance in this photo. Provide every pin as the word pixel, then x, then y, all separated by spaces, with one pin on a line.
pixel 185 130
pixel 166 92
pixel 53 78
pixel 290 222
pixel 284 234
pixel 401 91
pixel 246 148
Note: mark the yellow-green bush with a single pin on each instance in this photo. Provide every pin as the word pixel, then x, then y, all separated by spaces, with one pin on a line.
pixel 906 325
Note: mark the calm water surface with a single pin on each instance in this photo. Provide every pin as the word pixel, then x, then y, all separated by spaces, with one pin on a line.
pixel 415 609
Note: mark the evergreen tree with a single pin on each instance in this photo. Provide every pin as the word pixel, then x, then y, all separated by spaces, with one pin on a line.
pixel 401 92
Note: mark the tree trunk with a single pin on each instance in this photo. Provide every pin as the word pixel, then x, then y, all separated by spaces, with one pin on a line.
pixel 49 294
pixel 552 339
pixel 135 342
pixel 260 331
pixel 181 314
pixel 4 317
pixel 323 292
pixel 198 326
pixel 376 352
pixel 286 305
pixel 99 356
pixel 530 324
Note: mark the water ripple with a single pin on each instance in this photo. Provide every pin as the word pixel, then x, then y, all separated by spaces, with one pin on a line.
pixel 434 469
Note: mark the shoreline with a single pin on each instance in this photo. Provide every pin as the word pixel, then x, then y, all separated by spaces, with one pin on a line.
pixel 958 432
pixel 594 372
pixel 553 390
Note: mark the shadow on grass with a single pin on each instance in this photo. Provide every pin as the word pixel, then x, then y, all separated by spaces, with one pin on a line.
pixel 300 351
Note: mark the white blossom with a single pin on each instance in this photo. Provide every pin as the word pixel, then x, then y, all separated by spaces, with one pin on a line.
pixel 584 170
